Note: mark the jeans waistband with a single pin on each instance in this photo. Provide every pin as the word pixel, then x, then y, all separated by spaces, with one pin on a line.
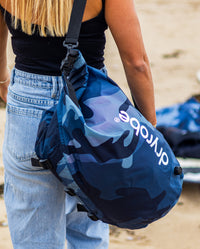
pixel 45 82
pixel 37 80
pixel 32 80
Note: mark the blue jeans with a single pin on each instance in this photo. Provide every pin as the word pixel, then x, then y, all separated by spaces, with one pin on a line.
pixel 40 214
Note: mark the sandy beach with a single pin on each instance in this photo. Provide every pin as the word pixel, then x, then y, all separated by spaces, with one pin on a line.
pixel 172 36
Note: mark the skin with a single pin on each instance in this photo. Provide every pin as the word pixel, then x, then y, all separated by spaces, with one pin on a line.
pixel 123 22
pixel 4 72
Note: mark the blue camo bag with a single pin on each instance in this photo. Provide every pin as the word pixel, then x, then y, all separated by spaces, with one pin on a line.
pixel 107 155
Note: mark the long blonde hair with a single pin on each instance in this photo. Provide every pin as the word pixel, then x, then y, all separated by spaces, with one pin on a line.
pixel 51 16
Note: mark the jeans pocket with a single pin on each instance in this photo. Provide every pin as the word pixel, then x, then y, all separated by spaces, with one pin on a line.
pixel 21 131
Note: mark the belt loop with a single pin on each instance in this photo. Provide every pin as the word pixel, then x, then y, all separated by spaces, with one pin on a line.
pixel 61 84
pixel 12 76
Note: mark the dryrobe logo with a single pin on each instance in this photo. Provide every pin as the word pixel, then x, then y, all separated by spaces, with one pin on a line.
pixel 149 138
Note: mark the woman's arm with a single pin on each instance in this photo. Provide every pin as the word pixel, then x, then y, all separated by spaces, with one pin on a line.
pixel 124 25
pixel 4 72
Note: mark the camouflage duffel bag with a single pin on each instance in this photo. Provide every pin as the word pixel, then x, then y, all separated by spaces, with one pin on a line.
pixel 118 166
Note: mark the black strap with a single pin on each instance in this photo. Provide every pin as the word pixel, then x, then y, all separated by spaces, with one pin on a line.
pixel 71 41
pixel 75 22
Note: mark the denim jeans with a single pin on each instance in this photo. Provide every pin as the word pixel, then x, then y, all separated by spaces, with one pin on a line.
pixel 40 214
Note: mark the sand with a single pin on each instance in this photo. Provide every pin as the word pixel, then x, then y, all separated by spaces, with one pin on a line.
pixel 172 36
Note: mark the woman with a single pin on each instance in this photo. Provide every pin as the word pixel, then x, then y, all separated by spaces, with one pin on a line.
pixel 34 198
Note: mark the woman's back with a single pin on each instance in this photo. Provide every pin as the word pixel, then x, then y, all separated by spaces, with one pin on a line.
pixel 39 53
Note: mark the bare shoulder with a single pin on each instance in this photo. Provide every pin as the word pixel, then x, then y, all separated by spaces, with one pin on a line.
pixel 120 15
pixel 92 9
pixel 6 4
pixel 123 22
pixel 2 3
pixel 118 10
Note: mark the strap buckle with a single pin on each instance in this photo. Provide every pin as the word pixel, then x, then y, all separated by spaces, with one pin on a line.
pixel 71 56
pixel 70 46
pixel 46 164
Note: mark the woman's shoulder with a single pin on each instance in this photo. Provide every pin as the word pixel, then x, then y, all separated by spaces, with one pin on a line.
pixel 6 5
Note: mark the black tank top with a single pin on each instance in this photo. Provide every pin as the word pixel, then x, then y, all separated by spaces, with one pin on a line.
pixel 43 55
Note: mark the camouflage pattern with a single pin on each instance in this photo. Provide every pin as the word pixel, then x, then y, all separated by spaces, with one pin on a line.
pixel 105 152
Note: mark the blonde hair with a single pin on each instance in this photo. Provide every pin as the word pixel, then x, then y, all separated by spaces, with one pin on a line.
pixel 51 16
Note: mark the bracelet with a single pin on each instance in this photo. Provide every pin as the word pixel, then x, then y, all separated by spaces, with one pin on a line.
pixel 4 81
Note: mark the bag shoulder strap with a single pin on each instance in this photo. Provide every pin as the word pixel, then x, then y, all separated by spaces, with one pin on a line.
pixel 70 42
pixel 72 35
